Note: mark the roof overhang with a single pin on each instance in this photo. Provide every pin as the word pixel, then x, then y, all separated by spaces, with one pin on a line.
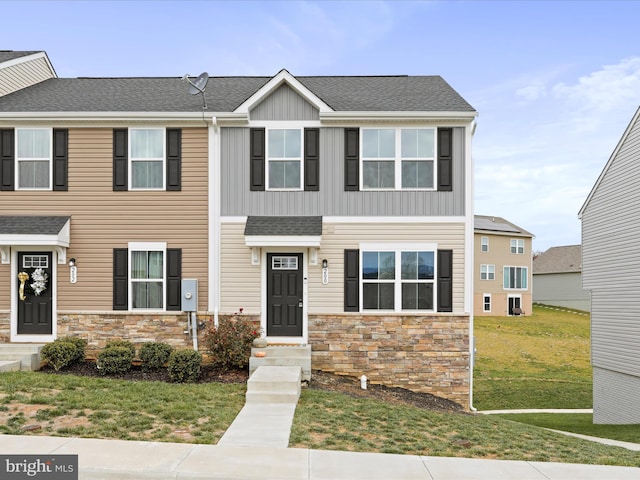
pixel 283 231
pixel 35 231
pixel 461 118
pixel 164 118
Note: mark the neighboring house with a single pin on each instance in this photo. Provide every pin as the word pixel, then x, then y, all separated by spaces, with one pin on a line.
pixel 610 266
pixel 22 69
pixel 335 211
pixel 502 279
pixel 557 278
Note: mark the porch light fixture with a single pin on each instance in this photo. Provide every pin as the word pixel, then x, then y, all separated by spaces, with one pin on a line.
pixel 72 262
pixel 325 263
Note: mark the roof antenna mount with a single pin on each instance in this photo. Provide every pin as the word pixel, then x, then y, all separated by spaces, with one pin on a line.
pixel 198 86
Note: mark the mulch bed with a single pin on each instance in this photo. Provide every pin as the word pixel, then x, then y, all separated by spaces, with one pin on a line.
pixel 319 381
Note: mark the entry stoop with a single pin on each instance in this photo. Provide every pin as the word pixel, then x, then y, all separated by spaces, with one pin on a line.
pixel 283 356
pixel 19 356
pixel 274 384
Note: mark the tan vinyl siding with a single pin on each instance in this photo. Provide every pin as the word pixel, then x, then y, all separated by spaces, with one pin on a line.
pixel 102 219
pixel 239 280
pixel 23 74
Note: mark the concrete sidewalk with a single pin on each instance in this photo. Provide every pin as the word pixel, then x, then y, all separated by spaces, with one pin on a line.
pixel 118 459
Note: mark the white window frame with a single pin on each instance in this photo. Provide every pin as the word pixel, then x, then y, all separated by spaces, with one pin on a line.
pixel 484 244
pixel 397 249
pixel 30 159
pixel 487 272
pixel 147 247
pixel 486 296
pixel 398 159
pixel 162 159
pixel 269 159
pixel 517 246
pixel 520 268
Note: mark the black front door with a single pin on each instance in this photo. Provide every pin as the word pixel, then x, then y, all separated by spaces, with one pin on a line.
pixel 284 295
pixel 34 293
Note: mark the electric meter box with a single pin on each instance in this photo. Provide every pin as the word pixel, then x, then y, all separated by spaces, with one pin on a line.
pixel 189 295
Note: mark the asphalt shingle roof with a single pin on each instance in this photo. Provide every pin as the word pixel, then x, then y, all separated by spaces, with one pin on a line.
pixel 225 94
pixel 279 226
pixel 499 225
pixel 567 259
pixel 31 224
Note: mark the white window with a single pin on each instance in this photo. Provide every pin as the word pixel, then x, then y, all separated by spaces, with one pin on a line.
pixel 517 245
pixel 486 302
pixel 33 157
pixel 484 244
pixel 398 158
pixel 398 279
pixel 147 276
pixel 284 263
pixel 147 158
pixel 35 261
pixel 487 272
pixel 284 158
pixel 515 278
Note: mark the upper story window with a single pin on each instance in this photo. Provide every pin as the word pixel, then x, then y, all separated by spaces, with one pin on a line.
pixel 284 158
pixel 33 157
pixel 515 278
pixel 484 244
pixel 147 158
pixel 517 245
pixel 398 158
pixel 487 272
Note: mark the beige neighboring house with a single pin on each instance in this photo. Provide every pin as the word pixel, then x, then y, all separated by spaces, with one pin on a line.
pixel 502 278
pixel 22 69
pixel 557 278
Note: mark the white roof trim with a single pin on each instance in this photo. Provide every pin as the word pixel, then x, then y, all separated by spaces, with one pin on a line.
pixel 282 240
pixel 609 162
pixel 61 239
pixel 283 77
pixel 342 116
pixel 26 58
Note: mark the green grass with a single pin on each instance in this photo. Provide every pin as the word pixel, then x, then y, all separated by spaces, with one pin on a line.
pixel 105 408
pixel 539 361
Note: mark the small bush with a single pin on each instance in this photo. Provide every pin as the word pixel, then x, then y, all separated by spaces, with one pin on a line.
pixel 114 360
pixel 117 342
pixel 59 353
pixel 184 366
pixel 80 344
pixel 154 354
pixel 229 345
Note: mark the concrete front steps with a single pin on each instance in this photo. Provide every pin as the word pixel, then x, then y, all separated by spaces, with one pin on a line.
pixel 274 384
pixel 282 356
pixel 19 356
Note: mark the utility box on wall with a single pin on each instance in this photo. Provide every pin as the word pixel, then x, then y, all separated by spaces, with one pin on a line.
pixel 189 295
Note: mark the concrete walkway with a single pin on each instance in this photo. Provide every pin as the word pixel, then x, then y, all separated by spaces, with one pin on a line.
pixel 124 460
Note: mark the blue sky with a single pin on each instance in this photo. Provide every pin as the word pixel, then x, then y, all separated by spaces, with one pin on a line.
pixel 555 82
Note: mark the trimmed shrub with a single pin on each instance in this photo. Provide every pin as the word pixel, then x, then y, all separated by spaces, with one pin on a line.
pixel 184 366
pixel 59 354
pixel 229 345
pixel 114 360
pixel 118 342
pixel 154 354
pixel 80 345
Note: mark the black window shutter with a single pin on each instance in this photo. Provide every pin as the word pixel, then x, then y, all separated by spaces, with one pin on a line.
pixel 257 166
pixel 174 279
pixel 352 280
pixel 445 280
pixel 120 159
pixel 120 279
pixel 7 159
pixel 60 159
pixel 174 159
pixel 312 159
pixel 351 159
pixel 445 163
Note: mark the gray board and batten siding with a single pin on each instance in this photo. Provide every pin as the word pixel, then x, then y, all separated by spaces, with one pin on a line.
pixel 610 266
pixel 284 104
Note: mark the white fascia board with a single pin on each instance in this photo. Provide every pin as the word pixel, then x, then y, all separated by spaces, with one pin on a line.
pixel 389 116
pixel 434 219
pixel 283 77
pixel 101 117
pixel 61 239
pixel 282 241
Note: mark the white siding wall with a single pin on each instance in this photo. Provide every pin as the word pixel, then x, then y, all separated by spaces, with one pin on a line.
pixel 24 74
pixel 561 290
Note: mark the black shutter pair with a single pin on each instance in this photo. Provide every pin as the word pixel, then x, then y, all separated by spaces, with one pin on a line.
pixel 121 159
pixel 121 279
pixel 352 159
pixel 257 159
pixel 60 159
pixel 352 280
